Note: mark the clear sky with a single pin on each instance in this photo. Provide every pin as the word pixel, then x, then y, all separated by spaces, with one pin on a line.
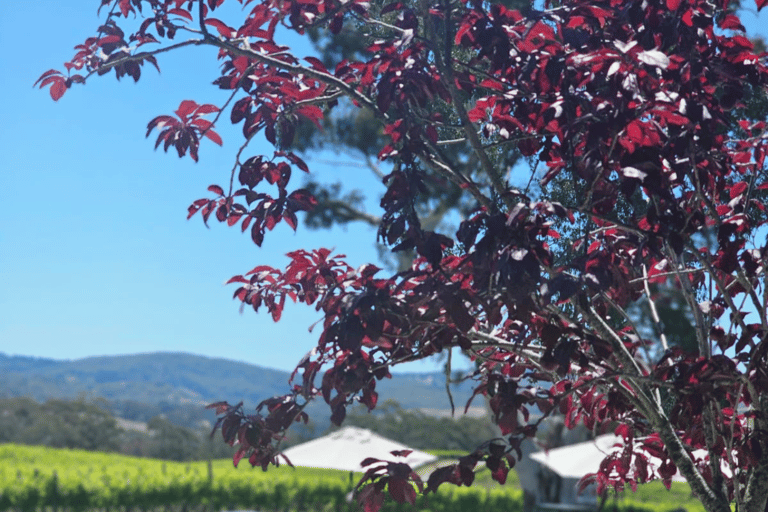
pixel 96 254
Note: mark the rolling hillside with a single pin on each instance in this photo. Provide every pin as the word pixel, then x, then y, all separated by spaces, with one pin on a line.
pixel 178 385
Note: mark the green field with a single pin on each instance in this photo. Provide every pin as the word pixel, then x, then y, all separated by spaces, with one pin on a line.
pixel 41 478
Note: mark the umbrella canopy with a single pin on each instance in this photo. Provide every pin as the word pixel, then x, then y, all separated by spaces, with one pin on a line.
pixel 580 459
pixel 346 448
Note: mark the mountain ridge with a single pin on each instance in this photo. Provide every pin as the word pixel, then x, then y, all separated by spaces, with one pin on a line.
pixel 169 381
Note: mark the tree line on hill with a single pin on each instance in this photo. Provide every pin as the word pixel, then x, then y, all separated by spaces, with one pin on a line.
pixel 92 425
pixel 78 424
pixel 418 430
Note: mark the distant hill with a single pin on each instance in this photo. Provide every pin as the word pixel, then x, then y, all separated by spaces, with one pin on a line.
pixel 148 378
pixel 178 385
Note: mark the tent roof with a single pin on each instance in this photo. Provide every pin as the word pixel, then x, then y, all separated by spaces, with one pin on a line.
pixel 346 448
pixel 580 459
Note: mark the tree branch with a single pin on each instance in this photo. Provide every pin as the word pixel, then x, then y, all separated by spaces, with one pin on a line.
pixel 349 213
pixel 325 78
pixel 702 327
pixel 138 57
pixel 456 178
pixel 444 66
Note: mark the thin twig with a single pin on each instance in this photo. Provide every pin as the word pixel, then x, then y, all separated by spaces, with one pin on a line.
pixel 451 141
pixel 629 321
pixel 320 99
pixel 201 16
pixel 237 161
pixel 137 57
pixel 667 274
pixel 448 381
pixel 654 312
pixel 221 110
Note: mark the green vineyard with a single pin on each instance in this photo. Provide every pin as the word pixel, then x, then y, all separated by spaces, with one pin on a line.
pixel 44 479
pixel 39 478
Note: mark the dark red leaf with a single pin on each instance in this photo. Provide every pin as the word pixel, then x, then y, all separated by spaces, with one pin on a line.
pixel 206 109
pixel 214 137
pixel 371 498
pixel 45 75
pixel 336 23
pixel 402 491
pixel 317 64
pixel 442 475
pixel 186 108
pixel 109 39
pixel 221 213
pixel 466 474
pixel 458 313
pixel 58 89
pixel 635 132
pixel 500 474
pixel 731 22
pixel 585 482
pixel 338 415
pixel 182 13
pixel 239 454
pixel 313 113
pixel 222 28
pixel 290 218
pixel 257 234
pixel 161 122
pixel 737 189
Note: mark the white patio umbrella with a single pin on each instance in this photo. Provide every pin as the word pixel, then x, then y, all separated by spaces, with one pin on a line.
pixel 580 459
pixel 345 449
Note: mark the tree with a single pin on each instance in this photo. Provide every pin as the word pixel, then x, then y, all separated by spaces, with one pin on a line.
pixel 59 423
pixel 422 431
pixel 645 110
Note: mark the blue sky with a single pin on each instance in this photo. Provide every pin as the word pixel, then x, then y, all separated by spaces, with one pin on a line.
pixel 96 254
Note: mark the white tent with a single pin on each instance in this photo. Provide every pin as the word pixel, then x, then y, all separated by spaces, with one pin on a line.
pixel 580 459
pixel 346 448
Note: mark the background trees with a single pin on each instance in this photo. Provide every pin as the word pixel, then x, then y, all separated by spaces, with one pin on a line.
pixel 637 114
pixel 89 425
pixel 418 430
pixel 58 423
